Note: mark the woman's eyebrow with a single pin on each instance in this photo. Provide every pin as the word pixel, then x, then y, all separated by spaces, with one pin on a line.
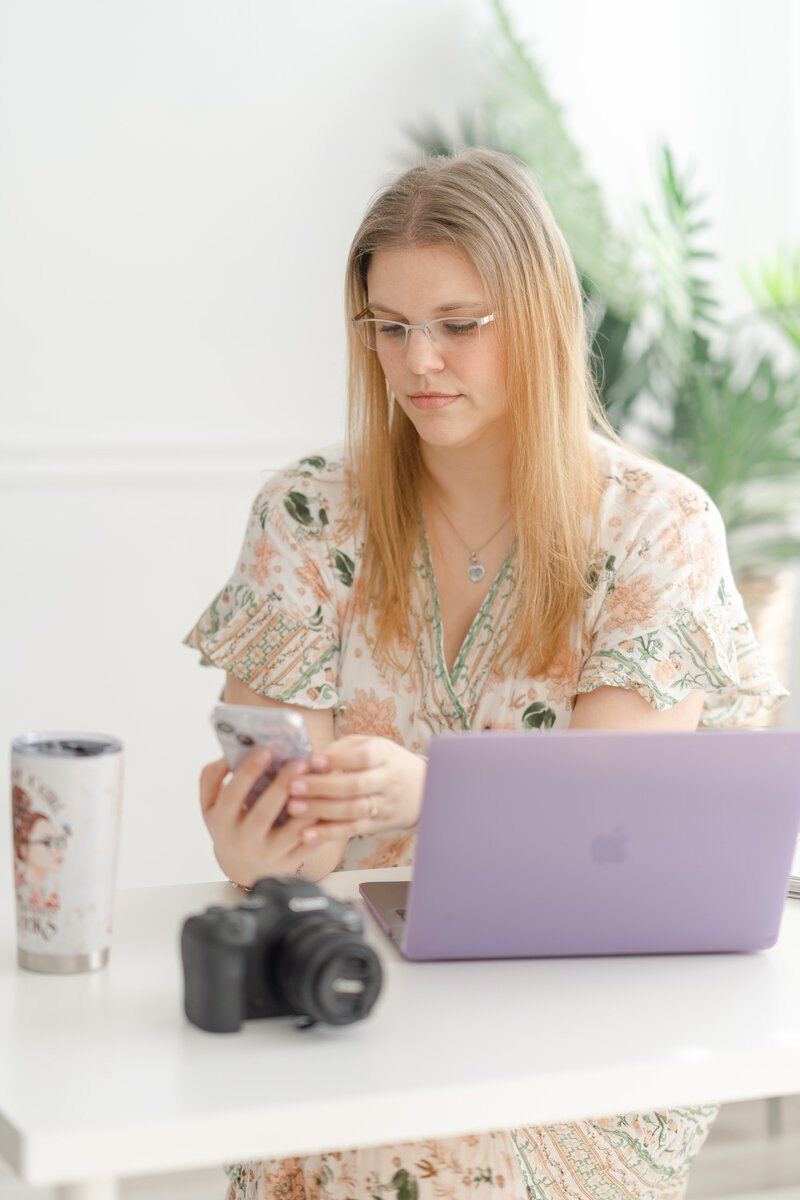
pixel 451 306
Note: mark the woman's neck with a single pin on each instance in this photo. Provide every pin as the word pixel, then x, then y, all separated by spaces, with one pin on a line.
pixel 469 481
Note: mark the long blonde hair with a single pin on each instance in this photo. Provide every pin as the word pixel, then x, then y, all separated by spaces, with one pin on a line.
pixel 485 204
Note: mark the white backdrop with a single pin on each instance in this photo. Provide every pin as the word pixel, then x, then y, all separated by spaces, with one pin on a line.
pixel 181 182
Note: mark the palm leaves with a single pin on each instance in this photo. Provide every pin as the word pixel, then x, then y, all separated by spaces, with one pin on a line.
pixel 523 118
pixel 718 407
pixel 776 291
pixel 737 432
pixel 721 409
pixel 518 115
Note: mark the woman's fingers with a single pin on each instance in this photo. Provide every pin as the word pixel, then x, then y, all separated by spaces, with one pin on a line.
pixel 247 793
pixel 372 785
pixel 339 785
pixel 353 753
pixel 211 778
pixel 287 837
pixel 358 785
pixel 319 808
pixel 330 831
pixel 251 838
pixel 259 815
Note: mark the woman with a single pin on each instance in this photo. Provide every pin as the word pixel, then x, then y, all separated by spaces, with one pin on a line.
pixel 38 852
pixel 478 557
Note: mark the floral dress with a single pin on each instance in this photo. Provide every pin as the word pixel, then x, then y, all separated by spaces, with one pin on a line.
pixel 661 617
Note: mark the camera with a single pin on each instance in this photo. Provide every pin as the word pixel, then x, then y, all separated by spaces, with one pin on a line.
pixel 288 949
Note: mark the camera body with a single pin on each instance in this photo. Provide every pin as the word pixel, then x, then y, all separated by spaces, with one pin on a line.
pixel 288 949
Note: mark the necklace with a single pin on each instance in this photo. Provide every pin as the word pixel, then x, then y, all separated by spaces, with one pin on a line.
pixel 475 570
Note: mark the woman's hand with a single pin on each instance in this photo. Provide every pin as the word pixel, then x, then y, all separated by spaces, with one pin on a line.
pixel 358 785
pixel 250 842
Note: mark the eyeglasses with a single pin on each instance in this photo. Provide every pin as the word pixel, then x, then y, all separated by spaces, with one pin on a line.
pixel 52 843
pixel 450 335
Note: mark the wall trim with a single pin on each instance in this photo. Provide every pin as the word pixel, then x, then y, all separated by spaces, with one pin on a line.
pixel 123 462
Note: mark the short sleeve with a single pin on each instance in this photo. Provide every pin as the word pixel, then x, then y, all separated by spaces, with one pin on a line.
pixel 274 625
pixel 665 617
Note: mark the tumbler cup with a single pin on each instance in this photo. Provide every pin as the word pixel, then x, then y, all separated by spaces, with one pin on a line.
pixel 66 800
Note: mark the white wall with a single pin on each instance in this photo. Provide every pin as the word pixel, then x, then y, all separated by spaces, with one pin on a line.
pixel 185 176
pixel 716 80
pixel 181 181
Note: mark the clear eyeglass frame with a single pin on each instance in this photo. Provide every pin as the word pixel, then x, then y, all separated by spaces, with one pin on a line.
pixel 450 334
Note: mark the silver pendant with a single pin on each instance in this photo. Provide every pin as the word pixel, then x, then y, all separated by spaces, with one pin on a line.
pixel 475 571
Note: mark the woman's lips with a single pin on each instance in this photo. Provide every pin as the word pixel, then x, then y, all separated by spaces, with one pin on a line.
pixel 431 400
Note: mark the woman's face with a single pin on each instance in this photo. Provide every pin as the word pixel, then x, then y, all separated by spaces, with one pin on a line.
pixel 45 851
pixel 453 400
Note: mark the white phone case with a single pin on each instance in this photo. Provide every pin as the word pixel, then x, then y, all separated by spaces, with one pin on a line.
pixel 241 727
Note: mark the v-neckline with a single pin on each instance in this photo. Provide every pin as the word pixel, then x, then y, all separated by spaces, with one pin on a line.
pixel 450 677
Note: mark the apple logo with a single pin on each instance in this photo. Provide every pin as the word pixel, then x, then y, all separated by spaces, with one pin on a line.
pixel 609 847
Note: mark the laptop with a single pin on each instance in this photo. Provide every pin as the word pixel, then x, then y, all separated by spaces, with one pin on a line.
pixel 555 843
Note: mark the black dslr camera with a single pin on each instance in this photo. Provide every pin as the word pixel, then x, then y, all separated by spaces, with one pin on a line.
pixel 287 949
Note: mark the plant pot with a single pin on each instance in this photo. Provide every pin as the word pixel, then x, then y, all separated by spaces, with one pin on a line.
pixel 770 597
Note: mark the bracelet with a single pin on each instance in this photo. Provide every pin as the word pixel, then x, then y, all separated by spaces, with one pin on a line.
pixel 240 886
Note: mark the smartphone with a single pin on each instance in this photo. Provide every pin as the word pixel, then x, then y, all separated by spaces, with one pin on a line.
pixel 241 727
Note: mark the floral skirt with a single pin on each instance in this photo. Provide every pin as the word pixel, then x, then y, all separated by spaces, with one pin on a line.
pixel 638 1156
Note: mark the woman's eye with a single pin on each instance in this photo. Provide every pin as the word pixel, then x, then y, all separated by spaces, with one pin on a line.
pixel 392 329
pixel 460 328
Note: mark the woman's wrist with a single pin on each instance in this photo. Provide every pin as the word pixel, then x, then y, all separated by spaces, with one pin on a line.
pixel 241 886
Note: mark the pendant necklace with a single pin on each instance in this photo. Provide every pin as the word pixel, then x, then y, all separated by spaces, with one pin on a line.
pixel 475 570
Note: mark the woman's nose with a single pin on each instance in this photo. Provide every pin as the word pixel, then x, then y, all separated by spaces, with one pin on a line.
pixel 422 355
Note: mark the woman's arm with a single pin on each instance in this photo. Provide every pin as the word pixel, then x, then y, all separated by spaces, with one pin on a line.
pixel 372 785
pixel 246 844
pixel 366 785
pixel 619 708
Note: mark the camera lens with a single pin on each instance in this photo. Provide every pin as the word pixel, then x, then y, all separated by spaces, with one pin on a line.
pixel 244 739
pixel 326 973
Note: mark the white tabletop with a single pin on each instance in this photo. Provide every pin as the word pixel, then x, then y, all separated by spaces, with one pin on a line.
pixel 102 1075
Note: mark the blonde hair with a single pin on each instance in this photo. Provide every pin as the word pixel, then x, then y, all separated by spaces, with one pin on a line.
pixel 23 820
pixel 485 204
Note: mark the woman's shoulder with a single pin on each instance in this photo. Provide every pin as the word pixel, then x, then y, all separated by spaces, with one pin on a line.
pixel 320 479
pixel 634 488
pixel 319 468
pixel 310 506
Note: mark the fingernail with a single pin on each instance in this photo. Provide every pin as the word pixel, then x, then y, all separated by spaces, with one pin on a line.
pixel 297 768
pixel 297 786
pixel 298 806
pixel 309 835
pixel 319 762
pixel 263 756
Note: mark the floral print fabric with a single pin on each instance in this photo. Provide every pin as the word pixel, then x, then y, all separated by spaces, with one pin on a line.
pixel 639 1156
pixel 662 617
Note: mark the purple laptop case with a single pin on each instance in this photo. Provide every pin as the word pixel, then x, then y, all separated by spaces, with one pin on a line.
pixel 576 843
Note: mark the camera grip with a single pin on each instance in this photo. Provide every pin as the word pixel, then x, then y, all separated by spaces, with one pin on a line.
pixel 214 949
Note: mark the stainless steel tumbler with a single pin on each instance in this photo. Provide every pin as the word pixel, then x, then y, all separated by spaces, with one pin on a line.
pixel 66 799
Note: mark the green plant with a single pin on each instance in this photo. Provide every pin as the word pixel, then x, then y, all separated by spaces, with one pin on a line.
pixel 776 291
pixel 718 404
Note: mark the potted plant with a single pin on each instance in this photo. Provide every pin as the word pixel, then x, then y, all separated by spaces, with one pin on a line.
pixel 719 403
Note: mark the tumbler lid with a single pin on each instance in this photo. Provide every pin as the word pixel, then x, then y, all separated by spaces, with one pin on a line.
pixel 66 745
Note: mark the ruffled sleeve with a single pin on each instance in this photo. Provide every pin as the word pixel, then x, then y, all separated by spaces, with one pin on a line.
pixel 664 617
pixel 275 624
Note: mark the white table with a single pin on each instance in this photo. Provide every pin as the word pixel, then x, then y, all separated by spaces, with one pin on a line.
pixel 101 1076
